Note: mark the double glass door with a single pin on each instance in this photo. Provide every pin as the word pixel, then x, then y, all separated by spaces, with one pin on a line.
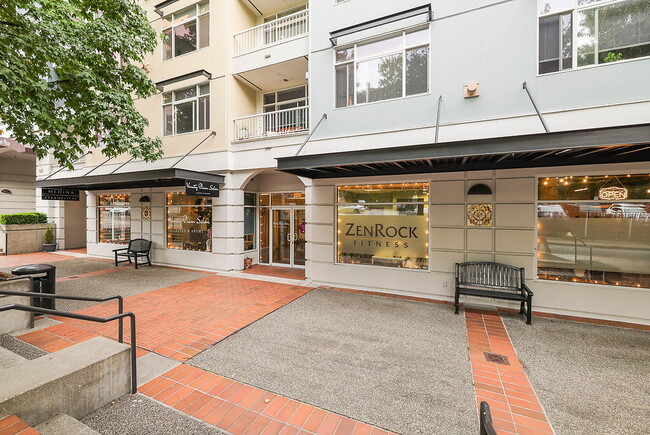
pixel 288 236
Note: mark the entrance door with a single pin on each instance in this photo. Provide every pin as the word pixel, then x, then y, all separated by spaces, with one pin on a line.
pixel 288 237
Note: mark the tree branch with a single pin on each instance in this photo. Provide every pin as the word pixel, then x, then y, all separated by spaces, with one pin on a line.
pixel 7 23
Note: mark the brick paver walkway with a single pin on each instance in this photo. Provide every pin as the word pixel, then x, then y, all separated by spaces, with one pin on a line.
pixel 513 403
pixel 181 320
pixel 243 409
pixel 13 425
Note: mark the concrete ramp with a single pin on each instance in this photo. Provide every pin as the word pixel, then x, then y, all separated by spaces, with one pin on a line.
pixel 74 381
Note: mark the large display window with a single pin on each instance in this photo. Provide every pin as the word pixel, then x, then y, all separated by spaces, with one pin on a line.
pixel 384 225
pixel 594 229
pixel 114 218
pixel 189 222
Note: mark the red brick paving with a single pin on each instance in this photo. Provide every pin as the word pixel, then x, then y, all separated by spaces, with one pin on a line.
pixel 243 409
pixel 31 258
pixel 13 425
pixel 514 405
pixel 178 321
pixel 278 272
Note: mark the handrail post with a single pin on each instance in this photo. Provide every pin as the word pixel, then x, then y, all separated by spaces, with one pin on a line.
pixel 134 348
pixel 120 308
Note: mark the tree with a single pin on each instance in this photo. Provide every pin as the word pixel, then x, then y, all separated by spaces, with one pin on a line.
pixel 69 73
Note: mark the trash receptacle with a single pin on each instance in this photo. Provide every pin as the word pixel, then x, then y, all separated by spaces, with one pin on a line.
pixel 44 280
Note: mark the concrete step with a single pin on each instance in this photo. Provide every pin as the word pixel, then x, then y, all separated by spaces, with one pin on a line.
pixel 64 424
pixel 8 358
pixel 74 381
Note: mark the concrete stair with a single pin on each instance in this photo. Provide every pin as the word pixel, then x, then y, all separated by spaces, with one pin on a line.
pixel 74 381
pixel 8 358
pixel 64 424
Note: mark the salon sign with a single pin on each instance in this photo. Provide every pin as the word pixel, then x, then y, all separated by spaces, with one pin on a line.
pixel 401 236
pixel 201 188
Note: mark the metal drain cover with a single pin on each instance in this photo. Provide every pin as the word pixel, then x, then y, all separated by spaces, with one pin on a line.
pixel 496 358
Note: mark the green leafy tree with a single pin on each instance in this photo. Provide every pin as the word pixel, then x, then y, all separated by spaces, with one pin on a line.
pixel 69 73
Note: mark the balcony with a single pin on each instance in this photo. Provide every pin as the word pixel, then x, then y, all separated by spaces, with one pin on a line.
pixel 272 124
pixel 272 33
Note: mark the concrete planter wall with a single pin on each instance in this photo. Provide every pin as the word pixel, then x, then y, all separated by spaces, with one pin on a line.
pixel 11 321
pixel 20 239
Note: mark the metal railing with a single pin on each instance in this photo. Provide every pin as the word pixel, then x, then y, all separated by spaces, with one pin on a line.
pixel 272 32
pixel 486 426
pixel 120 302
pixel 134 374
pixel 272 123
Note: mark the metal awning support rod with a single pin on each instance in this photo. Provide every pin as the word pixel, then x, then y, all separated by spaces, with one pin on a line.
pixel 438 119
pixel 539 114
pixel 322 118
pixel 63 167
pixel 123 165
pixel 212 133
pixel 98 166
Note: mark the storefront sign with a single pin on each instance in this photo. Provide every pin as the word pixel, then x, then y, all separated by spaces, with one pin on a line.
pixel 401 239
pixel 201 188
pixel 612 193
pixel 57 194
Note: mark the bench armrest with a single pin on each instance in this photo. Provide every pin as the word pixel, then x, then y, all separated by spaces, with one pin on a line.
pixel 527 290
pixel 120 249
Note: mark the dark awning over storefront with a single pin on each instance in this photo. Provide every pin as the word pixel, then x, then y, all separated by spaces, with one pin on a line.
pixel 578 147
pixel 169 177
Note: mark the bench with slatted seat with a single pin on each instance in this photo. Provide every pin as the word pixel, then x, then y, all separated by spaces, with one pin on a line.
pixel 138 248
pixel 494 280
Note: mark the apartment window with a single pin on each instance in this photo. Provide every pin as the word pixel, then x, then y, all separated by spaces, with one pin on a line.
pixel 189 222
pixel 577 33
pixel 594 229
pixel 285 13
pixel 186 110
pixel 186 30
pixel 384 225
pixel 383 69
pixel 114 218
pixel 250 220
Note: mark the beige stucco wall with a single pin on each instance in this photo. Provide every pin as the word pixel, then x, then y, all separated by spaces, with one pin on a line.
pixel 17 174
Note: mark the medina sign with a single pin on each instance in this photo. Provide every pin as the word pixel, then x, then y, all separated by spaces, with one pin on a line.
pixel 59 194
pixel 201 188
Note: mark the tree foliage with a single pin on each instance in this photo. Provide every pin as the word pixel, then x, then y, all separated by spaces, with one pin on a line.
pixel 69 73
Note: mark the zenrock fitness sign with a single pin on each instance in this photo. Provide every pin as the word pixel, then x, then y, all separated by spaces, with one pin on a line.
pixel 383 236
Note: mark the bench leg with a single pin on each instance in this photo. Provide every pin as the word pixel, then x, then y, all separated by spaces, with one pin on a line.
pixel 456 300
pixel 522 309
pixel 136 261
pixel 148 260
pixel 529 312
pixel 116 258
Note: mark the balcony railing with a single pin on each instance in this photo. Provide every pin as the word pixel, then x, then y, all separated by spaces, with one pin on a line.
pixel 272 32
pixel 272 123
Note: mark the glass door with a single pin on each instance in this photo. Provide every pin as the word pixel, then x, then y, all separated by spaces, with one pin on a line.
pixel 281 236
pixel 299 236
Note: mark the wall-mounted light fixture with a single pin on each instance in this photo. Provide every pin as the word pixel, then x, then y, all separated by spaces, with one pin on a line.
pixel 6 191
pixel 471 90
pixel 145 198
pixel 480 189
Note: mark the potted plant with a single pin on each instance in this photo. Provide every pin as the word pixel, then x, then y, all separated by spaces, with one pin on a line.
pixel 49 239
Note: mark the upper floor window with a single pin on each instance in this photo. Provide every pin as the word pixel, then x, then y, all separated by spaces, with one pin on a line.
pixel 285 13
pixel 383 69
pixel 577 33
pixel 186 110
pixel 186 30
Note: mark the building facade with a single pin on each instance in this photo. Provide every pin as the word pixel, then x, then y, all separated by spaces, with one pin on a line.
pixel 377 143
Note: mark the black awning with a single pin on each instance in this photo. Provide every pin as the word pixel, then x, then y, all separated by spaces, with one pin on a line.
pixel 578 147
pixel 168 177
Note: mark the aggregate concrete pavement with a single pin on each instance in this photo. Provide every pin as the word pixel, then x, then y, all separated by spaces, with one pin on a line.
pixel 397 364
pixel 124 281
pixel 21 348
pixel 138 415
pixel 589 378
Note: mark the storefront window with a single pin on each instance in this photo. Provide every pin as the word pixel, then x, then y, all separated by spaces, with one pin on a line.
pixel 594 229
pixel 250 215
pixel 384 225
pixel 189 222
pixel 114 218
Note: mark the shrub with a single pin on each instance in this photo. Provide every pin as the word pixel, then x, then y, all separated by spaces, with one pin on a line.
pixel 23 218
pixel 49 236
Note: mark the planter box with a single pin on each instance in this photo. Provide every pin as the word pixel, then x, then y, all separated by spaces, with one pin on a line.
pixel 20 239
pixel 11 321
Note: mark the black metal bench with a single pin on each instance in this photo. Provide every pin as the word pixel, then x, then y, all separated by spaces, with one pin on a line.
pixel 494 280
pixel 138 248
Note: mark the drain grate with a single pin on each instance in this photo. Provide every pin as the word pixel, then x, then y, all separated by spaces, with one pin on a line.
pixel 496 358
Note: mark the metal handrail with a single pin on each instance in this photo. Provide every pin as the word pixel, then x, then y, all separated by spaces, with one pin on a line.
pixel 486 426
pixel 120 302
pixel 134 374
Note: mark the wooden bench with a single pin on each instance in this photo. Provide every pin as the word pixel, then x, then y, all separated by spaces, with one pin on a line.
pixel 494 280
pixel 138 248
